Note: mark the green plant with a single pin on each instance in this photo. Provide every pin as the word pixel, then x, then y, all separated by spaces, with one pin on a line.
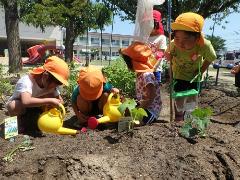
pixel 72 82
pixel 196 123
pixel 120 77
pixel 128 107
pixel 24 146
pixel 5 85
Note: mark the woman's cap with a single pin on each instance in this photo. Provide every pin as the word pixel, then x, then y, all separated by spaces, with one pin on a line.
pixel 55 66
pixel 91 83
pixel 139 54
pixel 189 22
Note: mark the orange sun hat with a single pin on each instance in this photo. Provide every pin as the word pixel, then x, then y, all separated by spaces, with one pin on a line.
pixel 139 53
pixel 55 66
pixel 91 83
pixel 189 22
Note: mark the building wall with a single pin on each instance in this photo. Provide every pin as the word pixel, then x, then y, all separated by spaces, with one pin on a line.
pixel 30 36
pixel 83 45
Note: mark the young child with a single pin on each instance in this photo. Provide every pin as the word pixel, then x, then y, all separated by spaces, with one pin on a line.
pixel 236 70
pixel 39 87
pixel 188 49
pixel 91 94
pixel 157 42
pixel 137 58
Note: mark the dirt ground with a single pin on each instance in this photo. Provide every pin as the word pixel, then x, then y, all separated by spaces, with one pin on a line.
pixel 150 152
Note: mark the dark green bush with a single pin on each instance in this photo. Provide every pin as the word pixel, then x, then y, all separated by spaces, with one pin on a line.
pixel 120 77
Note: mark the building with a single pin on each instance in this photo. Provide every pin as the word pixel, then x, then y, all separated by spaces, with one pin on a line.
pixel 84 46
pixel 91 44
pixel 29 36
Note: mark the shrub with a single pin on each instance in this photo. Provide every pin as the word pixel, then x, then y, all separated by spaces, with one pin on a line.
pixel 67 91
pixel 5 86
pixel 120 77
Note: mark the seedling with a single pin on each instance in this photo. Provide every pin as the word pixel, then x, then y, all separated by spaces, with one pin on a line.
pixel 128 108
pixel 196 123
pixel 24 146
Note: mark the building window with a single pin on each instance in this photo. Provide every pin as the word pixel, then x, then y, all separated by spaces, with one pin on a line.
pixel 115 42
pixel 105 53
pixel 83 39
pixel 105 41
pixel 115 54
pixel 95 41
pixel 125 42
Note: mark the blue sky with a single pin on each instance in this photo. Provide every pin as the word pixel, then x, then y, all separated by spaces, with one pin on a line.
pixel 231 34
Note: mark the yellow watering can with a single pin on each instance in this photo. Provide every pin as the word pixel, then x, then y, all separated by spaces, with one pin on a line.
pixel 110 112
pixel 51 121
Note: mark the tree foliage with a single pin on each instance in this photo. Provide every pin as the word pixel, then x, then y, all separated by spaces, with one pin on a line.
pixel 103 17
pixel 206 8
pixel 77 16
pixel 217 42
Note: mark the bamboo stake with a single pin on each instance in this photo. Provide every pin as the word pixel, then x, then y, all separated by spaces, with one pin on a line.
pixel 170 69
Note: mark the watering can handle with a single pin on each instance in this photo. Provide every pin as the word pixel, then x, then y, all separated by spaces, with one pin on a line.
pixel 110 97
pixel 62 109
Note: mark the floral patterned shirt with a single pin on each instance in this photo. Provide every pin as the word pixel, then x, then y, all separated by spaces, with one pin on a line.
pixel 143 79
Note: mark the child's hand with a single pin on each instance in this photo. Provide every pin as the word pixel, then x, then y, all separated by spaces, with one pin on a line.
pixel 115 90
pixel 82 117
pixel 168 56
pixel 54 102
pixel 235 69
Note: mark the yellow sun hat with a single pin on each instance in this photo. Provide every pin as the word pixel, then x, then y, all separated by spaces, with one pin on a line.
pixel 189 22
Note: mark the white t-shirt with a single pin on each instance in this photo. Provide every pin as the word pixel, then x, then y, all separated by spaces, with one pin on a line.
pixel 28 84
pixel 157 43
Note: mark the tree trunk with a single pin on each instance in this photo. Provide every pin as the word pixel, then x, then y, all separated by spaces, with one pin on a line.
pixel 101 47
pixel 13 39
pixel 70 38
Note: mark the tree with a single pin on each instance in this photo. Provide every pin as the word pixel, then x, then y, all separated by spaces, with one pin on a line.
pixel 103 17
pixel 76 16
pixel 206 8
pixel 12 31
pixel 217 42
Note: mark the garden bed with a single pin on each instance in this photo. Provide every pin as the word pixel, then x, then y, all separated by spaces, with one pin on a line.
pixel 149 152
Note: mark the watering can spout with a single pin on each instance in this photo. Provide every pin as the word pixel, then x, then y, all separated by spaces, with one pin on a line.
pixel 104 119
pixel 66 131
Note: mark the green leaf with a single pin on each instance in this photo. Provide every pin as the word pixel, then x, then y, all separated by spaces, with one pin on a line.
pixel 138 113
pixel 185 130
pixel 128 104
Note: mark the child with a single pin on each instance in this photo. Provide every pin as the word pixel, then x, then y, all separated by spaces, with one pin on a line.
pixel 157 42
pixel 137 59
pixel 236 70
pixel 188 49
pixel 91 94
pixel 39 87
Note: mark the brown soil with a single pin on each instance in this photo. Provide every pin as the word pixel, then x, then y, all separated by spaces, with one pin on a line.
pixel 149 152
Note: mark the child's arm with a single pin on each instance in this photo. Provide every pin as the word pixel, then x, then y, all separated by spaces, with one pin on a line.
pixel 29 101
pixel 205 66
pixel 235 69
